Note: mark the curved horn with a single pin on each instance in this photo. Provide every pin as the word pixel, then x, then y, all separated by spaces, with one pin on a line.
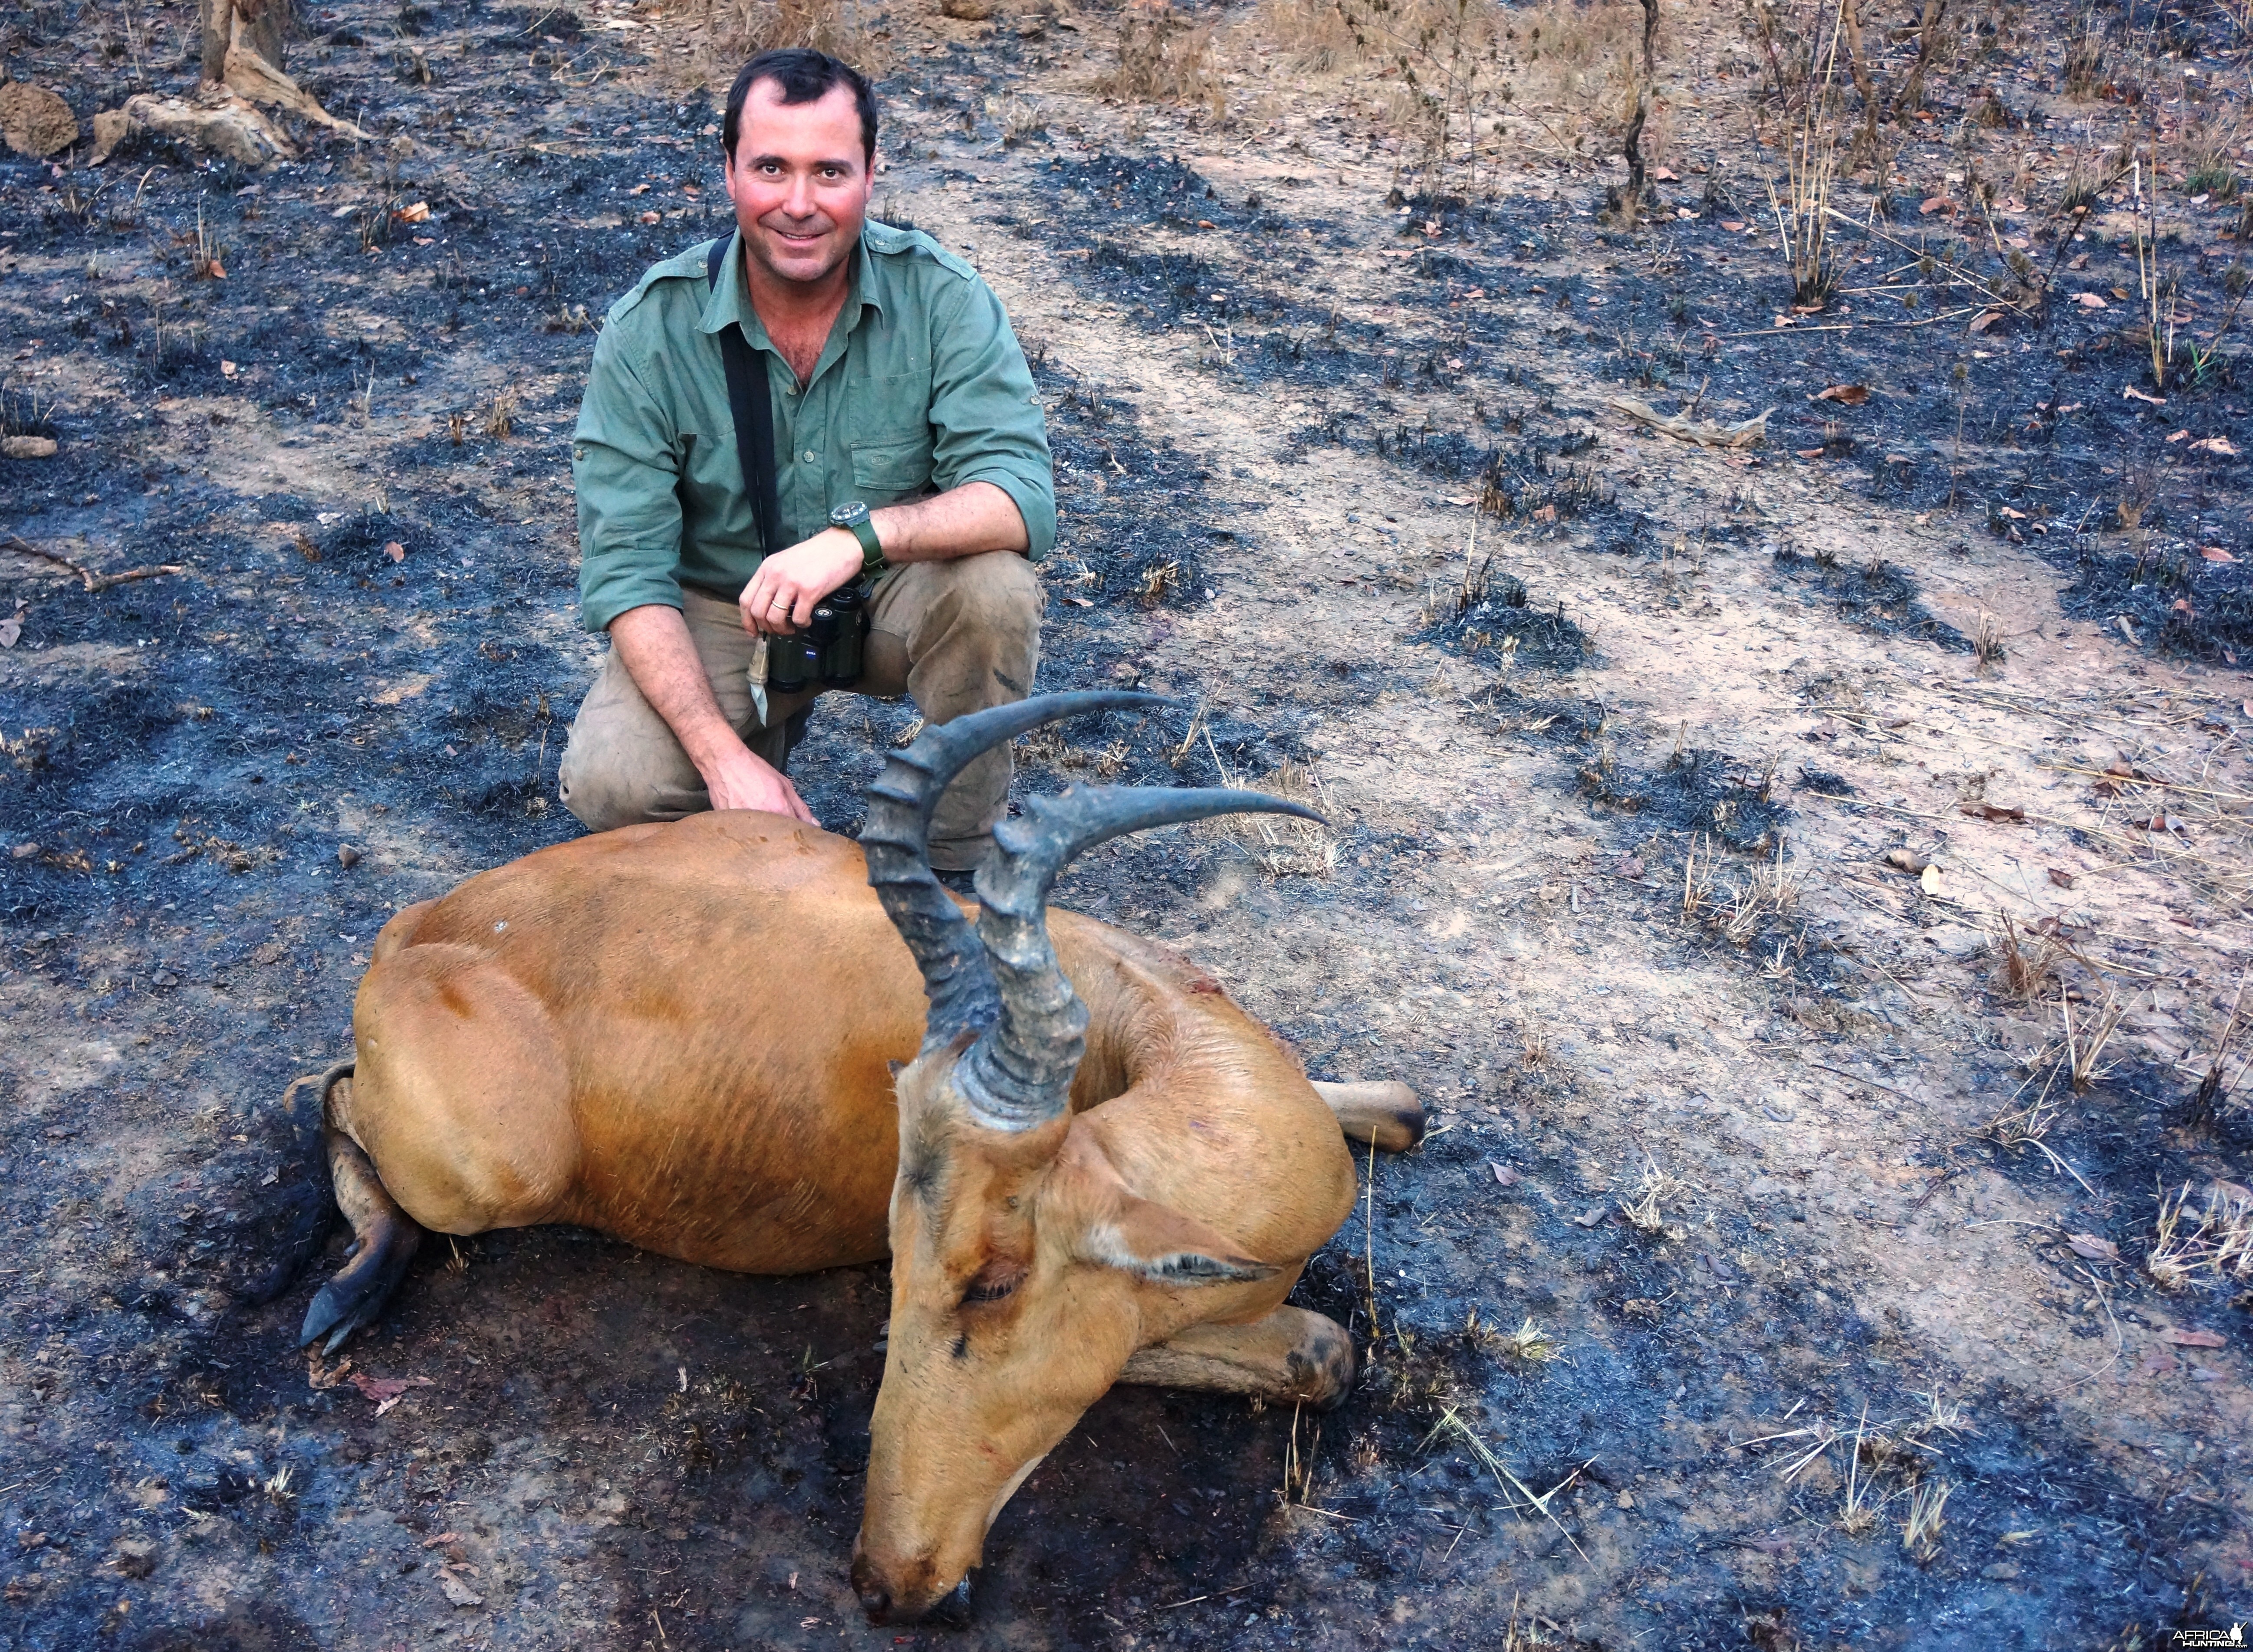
pixel 1019 1073
pixel 896 840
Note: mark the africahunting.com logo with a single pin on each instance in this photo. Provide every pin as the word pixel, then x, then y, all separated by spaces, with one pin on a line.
pixel 2182 1639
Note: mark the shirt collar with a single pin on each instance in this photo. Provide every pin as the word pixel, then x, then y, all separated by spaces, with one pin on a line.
pixel 729 303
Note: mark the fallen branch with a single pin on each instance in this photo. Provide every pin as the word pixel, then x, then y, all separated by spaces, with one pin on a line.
pixel 92 581
pixel 1743 433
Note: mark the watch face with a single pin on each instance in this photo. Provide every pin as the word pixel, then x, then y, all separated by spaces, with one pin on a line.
pixel 846 515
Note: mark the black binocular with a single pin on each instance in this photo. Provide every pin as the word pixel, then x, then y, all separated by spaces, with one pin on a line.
pixel 828 651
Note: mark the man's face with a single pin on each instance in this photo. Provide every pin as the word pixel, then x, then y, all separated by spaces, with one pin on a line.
pixel 799 181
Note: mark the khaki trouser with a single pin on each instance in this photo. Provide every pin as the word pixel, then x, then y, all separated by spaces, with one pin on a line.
pixel 956 636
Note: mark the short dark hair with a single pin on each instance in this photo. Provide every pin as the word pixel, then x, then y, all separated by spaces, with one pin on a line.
pixel 805 76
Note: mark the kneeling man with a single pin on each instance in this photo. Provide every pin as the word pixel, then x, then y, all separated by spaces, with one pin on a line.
pixel 909 469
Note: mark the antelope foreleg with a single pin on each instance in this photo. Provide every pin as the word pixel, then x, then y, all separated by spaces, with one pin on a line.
pixel 1386 1114
pixel 1289 1356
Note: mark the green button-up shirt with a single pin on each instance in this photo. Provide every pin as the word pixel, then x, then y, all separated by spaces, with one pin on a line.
pixel 921 388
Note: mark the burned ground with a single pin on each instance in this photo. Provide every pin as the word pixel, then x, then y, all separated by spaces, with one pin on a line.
pixel 1769 1278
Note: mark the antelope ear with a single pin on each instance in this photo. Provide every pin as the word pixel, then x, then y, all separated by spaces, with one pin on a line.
pixel 1164 1246
pixel 1113 1228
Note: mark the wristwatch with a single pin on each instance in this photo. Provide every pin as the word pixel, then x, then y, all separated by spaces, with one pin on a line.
pixel 853 518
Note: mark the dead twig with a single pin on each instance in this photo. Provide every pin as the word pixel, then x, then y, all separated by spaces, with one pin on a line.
pixel 1743 433
pixel 87 576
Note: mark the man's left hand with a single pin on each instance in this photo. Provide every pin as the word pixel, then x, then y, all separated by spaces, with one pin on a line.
pixel 780 598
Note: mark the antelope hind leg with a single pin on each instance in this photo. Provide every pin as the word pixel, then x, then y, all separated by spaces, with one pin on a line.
pixel 1386 1114
pixel 385 1239
pixel 1289 1356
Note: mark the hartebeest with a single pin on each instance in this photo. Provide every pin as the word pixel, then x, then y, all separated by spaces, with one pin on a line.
pixel 1094 1168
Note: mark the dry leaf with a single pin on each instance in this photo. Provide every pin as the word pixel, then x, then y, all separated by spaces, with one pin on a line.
pixel 419 212
pixel 2063 880
pixel 1589 1218
pixel 2215 554
pixel 1080 602
pixel 1904 860
pixel 647 218
pixel 1930 879
pixel 2129 392
pixel 1663 176
pixel 2121 293
pixel 2216 444
pixel 386 1387
pixel 1734 225
pixel 1852 394
pixel 1502 1173
pixel 2182 1338
pixel 2096 1249
pixel 1934 204
pixel 227 370
pixel 1807 453
pixel 1986 319
pixel 1991 811
pixel 395 550
pixel 12 627
pixel 2089 301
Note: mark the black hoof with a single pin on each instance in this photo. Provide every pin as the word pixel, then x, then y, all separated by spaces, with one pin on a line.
pixel 357 1294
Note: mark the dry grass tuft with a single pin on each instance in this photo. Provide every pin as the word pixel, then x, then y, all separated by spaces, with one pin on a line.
pixel 2220 1246
pixel 732 30
pixel 1987 642
pixel 1920 1531
pixel 1739 909
pixel 1528 1345
pixel 1645 1213
pixel 2024 972
pixel 1164 57
pixel 500 416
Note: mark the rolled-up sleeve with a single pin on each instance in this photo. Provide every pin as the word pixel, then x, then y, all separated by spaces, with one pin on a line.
pixel 985 417
pixel 625 466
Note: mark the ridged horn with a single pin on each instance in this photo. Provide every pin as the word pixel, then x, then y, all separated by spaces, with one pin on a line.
pixel 1019 1073
pixel 896 840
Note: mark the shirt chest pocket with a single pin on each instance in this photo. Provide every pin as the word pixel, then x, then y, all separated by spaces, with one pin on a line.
pixel 888 421
pixel 895 464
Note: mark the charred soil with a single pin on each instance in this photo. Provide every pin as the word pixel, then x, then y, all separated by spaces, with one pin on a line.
pixel 1806 878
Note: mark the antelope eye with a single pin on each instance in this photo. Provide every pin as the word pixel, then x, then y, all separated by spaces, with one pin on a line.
pixel 991 1290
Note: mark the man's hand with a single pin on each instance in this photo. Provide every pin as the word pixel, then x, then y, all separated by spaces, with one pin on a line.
pixel 739 780
pixel 780 598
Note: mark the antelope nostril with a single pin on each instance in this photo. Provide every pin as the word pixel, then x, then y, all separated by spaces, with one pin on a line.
pixel 876 1602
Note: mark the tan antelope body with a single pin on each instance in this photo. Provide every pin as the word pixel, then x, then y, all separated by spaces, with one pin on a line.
pixel 690 1035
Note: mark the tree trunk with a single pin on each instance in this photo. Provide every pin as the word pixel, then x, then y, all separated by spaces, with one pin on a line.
pixel 259 27
pixel 1857 64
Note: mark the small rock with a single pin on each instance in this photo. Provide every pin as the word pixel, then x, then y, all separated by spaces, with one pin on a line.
pixel 1625 1500
pixel 347 856
pixel 2001 1571
pixel 35 122
pixel 110 127
pixel 22 851
pixel 134 1557
pixel 967 11
pixel 165 978
pixel 459 1593
pixel 27 447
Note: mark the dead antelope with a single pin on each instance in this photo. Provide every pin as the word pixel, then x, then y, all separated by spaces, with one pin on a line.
pixel 1094 1168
